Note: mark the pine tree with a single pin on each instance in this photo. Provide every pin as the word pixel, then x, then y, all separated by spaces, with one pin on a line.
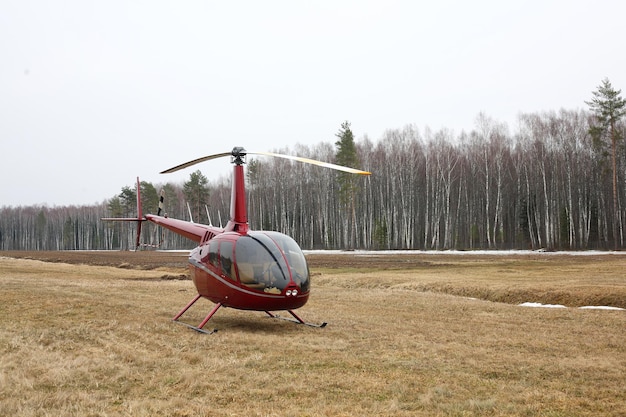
pixel 149 198
pixel 347 156
pixel 128 202
pixel 609 107
pixel 196 192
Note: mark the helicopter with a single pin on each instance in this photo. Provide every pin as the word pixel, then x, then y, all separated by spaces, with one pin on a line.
pixel 234 266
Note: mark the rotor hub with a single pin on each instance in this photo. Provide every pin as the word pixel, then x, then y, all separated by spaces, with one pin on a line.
pixel 238 155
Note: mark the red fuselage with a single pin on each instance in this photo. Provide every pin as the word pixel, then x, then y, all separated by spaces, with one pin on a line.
pixel 263 271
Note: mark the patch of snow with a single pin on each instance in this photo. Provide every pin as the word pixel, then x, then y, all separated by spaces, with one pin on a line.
pixel 562 306
pixel 542 305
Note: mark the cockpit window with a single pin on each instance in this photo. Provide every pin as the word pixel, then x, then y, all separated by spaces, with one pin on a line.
pixel 226 258
pixel 262 266
pixel 213 255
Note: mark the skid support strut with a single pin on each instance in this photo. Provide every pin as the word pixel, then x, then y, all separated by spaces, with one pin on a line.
pixel 199 328
pixel 181 312
pixel 295 319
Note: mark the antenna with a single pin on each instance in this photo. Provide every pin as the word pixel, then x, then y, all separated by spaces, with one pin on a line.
pixel 189 210
pixel 207 214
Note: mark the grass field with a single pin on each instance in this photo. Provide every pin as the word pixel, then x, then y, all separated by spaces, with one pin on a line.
pixel 421 335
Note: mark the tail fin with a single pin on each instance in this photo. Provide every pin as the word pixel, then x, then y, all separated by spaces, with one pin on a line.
pixel 140 217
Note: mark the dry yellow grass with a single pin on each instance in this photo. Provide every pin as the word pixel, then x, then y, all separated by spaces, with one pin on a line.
pixel 570 279
pixel 98 341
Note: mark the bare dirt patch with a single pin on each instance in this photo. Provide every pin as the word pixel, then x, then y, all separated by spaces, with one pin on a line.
pixel 121 259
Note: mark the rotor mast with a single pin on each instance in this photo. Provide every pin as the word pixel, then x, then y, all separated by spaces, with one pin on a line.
pixel 238 208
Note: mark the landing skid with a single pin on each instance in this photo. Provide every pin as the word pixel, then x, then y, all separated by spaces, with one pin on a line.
pixel 296 319
pixel 200 329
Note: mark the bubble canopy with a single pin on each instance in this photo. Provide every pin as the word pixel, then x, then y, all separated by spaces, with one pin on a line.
pixel 269 261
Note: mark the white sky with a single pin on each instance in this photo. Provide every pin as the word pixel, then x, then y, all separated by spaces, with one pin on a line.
pixel 95 93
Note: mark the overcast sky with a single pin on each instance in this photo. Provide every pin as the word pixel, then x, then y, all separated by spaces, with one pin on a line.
pixel 95 93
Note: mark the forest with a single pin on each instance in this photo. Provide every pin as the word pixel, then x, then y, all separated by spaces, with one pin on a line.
pixel 554 182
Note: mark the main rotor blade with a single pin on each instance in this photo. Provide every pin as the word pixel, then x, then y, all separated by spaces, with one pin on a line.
pixel 313 162
pixel 195 161
pixel 278 155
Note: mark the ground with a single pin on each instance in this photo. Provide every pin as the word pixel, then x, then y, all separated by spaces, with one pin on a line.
pixel 573 279
pixel 409 334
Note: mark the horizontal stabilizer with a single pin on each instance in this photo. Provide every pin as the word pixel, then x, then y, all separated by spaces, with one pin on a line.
pixel 123 219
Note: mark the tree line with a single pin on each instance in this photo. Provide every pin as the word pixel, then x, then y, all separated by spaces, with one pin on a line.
pixel 557 182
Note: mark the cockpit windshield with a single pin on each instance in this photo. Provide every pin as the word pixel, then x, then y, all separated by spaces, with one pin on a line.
pixel 295 258
pixel 264 260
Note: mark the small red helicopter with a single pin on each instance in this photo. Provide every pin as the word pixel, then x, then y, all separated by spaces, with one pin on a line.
pixel 237 267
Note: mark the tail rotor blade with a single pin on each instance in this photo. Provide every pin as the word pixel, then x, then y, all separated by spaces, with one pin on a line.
pixel 161 198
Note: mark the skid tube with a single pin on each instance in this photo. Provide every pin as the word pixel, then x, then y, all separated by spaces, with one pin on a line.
pixel 199 328
pixel 296 319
